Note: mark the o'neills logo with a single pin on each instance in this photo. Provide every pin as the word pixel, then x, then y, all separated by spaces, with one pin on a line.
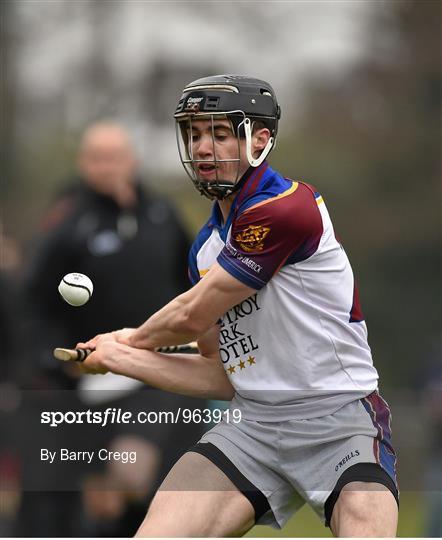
pixel 348 457
pixel 252 238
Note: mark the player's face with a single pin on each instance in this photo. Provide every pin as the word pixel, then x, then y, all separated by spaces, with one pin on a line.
pixel 210 144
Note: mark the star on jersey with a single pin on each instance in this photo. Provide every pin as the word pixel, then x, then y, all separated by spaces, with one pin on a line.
pixel 251 360
pixel 242 364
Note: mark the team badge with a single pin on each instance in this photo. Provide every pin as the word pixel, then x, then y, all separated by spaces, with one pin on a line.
pixel 252 238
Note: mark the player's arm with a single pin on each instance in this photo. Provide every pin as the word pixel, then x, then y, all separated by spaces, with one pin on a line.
pixel 198 375
pixel 193 313
pixel 289 229
pixel 186 318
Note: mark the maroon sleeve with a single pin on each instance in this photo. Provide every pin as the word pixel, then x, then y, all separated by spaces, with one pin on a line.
pixel 274 232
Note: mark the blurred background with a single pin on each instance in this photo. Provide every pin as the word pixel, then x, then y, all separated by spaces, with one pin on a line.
pixel 359 84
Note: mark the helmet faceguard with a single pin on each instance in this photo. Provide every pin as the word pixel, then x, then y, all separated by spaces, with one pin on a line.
pixel 241 100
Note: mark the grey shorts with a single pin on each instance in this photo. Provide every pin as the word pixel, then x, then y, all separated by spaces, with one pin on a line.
pixel 302 461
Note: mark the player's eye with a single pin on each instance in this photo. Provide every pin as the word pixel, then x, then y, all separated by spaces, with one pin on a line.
pixel 221 136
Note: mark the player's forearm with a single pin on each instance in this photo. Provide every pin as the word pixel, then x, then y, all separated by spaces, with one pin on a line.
pixel 192 314
pixel 187 374
pixel 177 322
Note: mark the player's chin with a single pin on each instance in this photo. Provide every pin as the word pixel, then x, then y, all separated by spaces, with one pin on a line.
pixel 209 176
pixel 216 178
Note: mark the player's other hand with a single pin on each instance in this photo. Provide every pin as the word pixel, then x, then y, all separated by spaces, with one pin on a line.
pixel 121 336
pixel 97 362
pixel 94 364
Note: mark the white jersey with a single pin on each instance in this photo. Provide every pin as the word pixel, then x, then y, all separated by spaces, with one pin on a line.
pixel 297 348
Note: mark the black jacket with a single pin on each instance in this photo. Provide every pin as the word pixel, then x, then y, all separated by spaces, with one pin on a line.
pixel 137 261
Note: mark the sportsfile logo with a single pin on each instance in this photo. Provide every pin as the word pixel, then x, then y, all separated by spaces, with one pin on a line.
pixel 348 457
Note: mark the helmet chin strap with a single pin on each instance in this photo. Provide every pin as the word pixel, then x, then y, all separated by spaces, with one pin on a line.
pixel 248 132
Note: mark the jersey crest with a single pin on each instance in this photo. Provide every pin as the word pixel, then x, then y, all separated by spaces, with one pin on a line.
pixel 252 238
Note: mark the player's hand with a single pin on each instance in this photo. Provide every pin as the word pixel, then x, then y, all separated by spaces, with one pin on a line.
pixel 96 363
pixel 121 336
pixel 93 365
pixel 92 343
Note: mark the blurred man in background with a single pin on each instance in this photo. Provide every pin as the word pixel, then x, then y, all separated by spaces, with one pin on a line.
pixel 105 225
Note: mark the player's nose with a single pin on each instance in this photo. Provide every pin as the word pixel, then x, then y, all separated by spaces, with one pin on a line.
pixel 204 147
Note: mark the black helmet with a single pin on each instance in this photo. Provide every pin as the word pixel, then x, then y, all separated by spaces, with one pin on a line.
pixel 242 100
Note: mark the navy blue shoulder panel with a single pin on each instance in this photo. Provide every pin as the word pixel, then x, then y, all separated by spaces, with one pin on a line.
pixel 201 238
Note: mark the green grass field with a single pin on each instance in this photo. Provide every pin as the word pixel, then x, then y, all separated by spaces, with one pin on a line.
pixel 307 524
